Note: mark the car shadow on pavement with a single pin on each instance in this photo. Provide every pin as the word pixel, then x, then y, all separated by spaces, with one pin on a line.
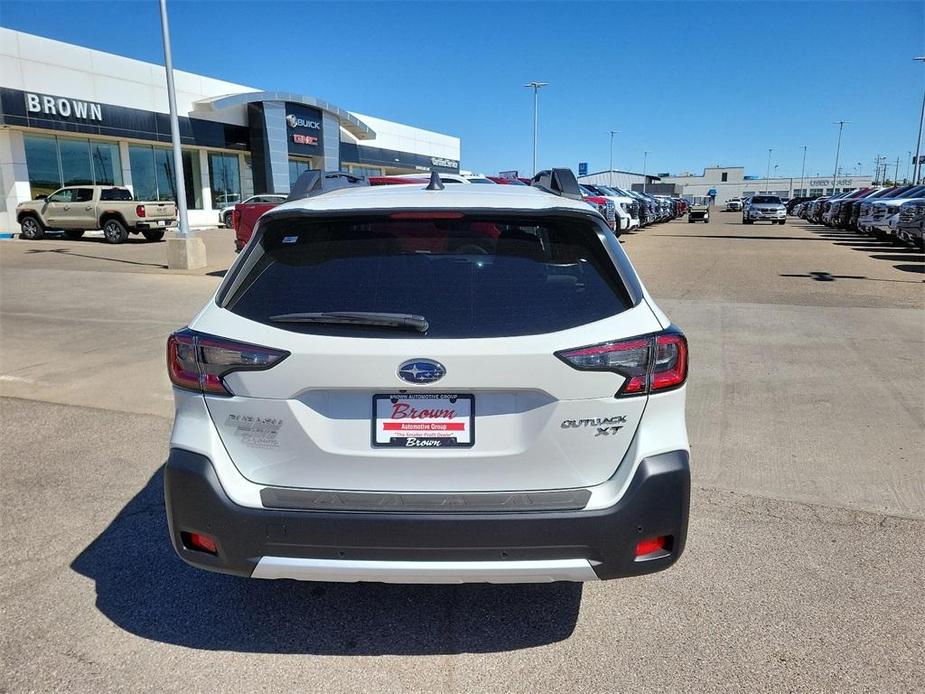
pixel 144 588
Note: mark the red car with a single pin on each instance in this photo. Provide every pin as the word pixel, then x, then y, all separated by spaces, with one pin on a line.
pixel 245 215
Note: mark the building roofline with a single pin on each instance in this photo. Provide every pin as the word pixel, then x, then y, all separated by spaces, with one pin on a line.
pixel 348 121
pixel 618 171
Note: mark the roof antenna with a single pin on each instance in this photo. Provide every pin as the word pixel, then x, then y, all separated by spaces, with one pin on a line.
pixel 435 182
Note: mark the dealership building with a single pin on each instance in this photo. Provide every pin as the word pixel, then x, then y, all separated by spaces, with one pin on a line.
pixel 74 116
pixel 731 182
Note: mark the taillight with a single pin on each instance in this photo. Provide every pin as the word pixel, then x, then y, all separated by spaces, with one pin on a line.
pixel 197 361
pixel 140 210
pixel 650 363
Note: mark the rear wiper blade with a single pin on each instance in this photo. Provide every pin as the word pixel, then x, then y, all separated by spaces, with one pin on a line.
pixel 404 321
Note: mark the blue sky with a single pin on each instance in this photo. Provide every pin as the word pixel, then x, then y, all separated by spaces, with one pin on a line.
pixel 695 83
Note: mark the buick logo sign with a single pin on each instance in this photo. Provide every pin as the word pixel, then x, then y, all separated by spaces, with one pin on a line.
pixel 421 371
pixel 295 122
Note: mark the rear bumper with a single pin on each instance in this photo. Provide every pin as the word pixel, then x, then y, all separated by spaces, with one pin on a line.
pixel 430 547
pixel 156 224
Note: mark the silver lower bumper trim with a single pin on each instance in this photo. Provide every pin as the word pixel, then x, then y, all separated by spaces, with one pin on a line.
pixel 351 571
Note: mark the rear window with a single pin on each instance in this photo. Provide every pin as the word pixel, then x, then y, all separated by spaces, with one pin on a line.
pixel 471 277
pixel 115 194
pixel 766 200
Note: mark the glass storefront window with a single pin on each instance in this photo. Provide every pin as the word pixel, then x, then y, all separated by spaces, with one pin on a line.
pixel 75 162
pixel 107 166
pixel 153 175
pixel 42 162
pixel 61 161
pixel 365 171
pixel 297 167
pixel 144 180
pixel 225 177
pixel 192 179
pixel 163 172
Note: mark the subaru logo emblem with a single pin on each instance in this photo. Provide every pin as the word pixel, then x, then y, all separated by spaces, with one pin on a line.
pixel 421 371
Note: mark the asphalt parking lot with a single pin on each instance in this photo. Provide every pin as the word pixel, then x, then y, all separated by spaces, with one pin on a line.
pixel 804 569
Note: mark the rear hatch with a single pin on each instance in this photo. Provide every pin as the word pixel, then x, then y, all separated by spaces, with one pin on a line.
pixel 157 211
pixel 475 400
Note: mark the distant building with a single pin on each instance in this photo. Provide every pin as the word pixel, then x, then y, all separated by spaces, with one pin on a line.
pixel 731 182
pixel 618 179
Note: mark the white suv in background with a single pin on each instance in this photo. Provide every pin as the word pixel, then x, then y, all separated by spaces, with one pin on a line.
pixel 430 384
pixel 764 208
pixel 627 207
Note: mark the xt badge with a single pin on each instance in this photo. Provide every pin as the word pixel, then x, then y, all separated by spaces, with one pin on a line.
pixel 603 426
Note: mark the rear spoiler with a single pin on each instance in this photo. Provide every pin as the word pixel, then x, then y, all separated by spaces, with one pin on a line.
pixel 560 182
pixel 312 183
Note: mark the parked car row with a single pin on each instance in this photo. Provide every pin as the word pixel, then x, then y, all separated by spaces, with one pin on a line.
pixel 896 211
pixel 623 210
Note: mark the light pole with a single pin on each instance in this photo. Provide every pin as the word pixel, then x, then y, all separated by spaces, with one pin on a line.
pixel 184 252
pixel 802 172
pixel 767 175
pixel 174 126
pixel 841 126
pixel 536 88
pixel 645 160
pixel 908 165
pixel 612 133
pixel 918 142
pixel 881 168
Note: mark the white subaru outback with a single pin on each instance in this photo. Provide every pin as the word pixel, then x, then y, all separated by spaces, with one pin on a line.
pixel 414 384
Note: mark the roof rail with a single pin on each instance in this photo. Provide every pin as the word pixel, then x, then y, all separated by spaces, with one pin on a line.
pixel 560 182
pixel 312 183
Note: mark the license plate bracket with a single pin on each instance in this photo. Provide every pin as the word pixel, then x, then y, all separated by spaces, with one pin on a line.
pixel 423 420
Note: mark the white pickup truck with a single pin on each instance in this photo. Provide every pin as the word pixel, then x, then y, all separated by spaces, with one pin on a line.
pixel 75 209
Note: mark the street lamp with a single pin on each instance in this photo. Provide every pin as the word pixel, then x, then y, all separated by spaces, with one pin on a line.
pixel 612 133
pixel 536 88
pixel 767 175
pixel 645 160
pixel 841 126
pixel 918 142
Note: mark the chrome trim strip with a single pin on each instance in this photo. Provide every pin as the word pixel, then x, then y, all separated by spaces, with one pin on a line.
pixel 352 571
pixel 474 502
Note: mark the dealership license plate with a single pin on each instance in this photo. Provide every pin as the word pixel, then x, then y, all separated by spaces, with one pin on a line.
pixel 161 223
pixel 423 420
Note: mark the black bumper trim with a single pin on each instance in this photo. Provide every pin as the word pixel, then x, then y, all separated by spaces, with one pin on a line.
pixel 655 504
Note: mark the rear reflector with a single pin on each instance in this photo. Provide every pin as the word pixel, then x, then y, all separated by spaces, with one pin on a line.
pixel 197 361
pixel 650 363
pixel 199 542
pixel 652 545
pixel 140 210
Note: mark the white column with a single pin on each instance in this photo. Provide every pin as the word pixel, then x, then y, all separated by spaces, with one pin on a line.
pixel 126 166
pixel 14 178
pixel 204 180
